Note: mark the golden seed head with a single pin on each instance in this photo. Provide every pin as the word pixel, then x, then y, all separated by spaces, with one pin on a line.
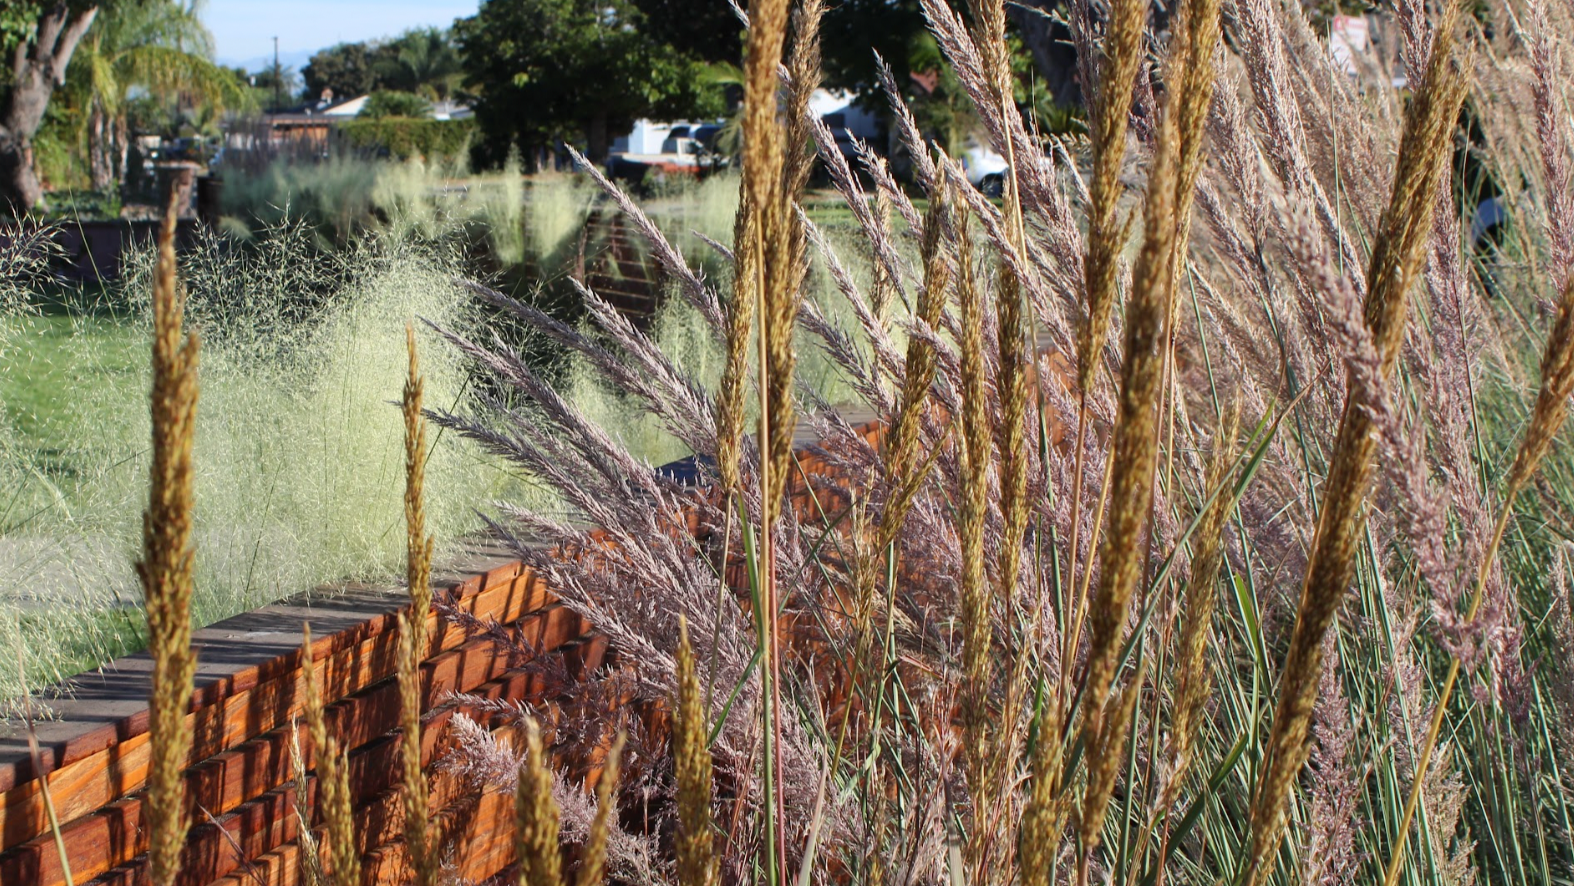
pixel 536 817
pixel 697 863
pixel 165 569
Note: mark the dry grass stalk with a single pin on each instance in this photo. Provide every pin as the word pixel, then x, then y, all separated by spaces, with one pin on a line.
pixel 412 628
pixel 803 78
pixel 695 849
pixel 536 817
pixel 1109 115
pixel 901 457
pixel 167 560
pixel 593 864
pixel 1396 257
pixel 333 779
pixel 1192 682
pixel 1135 446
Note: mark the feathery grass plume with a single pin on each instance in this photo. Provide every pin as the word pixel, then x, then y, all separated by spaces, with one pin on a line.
pixel 1396 258
pixel 772 254
pixel 740 329
pixel 692 764
pixel 797 161
pixel 989 24
pixel 1191 674
pixel 883 287
pixel 1109 111
pixel 1104 765
pixel 593 863
pixel 1119 56
pixel 536 816
pixel 972 513
pixel 412 627
pixel 901 457
pixel 1552 401
pixel 918 375
pixel 167 560
pixel 1134 448
pixel 1192 680
pixel 803 78
pixel 311 858
pixel 1336 790
pixel 1047 805
pixel 1546 420
pixel 1552 142
pixel 333 779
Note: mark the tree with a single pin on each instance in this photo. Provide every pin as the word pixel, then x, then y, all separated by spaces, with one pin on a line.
pixel 346 69
pixel 39 57
pixel 275 86
pixel 159 47
pixel 423 61
pixel 571 69
pixel 706 29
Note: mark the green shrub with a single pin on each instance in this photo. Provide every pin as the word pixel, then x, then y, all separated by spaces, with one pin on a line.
pixel 403 137
pixel 393 103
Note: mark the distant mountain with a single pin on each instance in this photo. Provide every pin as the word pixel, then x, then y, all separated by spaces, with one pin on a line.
pixel 294 60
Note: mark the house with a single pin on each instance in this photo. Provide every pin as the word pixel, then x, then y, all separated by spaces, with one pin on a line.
pixel 840 112
pixel 448 109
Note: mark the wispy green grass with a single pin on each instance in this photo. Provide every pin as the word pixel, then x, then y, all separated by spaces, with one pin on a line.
pixel 298 449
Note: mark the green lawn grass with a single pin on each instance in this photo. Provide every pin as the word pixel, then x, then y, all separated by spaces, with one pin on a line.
pixel 58 371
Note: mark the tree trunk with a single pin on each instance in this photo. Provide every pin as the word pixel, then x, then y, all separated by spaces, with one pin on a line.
pixel 37 67
pixel 100 145
pixel 122 147
pixel 596 136
pixel 1054 55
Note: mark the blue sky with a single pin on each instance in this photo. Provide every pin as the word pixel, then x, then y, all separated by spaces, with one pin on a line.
pixel 243 30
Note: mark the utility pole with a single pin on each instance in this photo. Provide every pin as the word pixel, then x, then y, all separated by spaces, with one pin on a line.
pixel 278 78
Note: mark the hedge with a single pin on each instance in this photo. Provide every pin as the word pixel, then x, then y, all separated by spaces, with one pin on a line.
pixel 405 137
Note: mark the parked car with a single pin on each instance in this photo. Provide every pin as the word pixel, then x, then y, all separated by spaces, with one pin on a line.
pixel 986 170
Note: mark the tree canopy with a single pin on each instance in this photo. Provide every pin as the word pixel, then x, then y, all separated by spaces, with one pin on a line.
pixel 347 70
pixel 424 61
pixel 575 70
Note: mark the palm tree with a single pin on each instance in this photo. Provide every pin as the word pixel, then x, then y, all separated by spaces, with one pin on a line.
pixel 426 62
pixel 159 47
